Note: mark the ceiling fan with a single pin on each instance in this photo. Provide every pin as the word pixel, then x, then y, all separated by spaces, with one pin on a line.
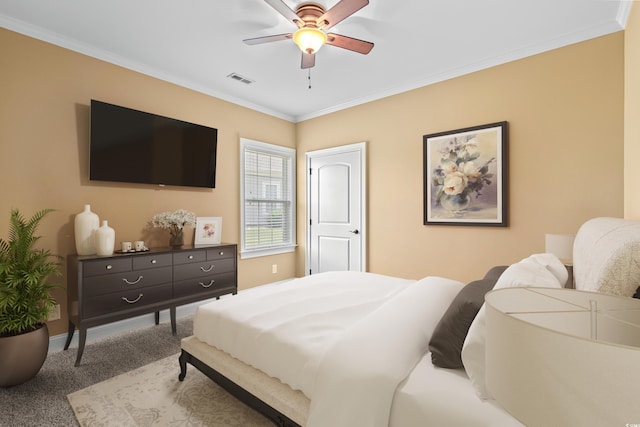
pixel 312 21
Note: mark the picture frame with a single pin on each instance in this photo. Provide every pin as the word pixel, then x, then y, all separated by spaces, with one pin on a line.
pixel 208 230
pixel 465 176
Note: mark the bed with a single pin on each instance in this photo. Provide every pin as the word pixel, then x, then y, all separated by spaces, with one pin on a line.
pixel 347 348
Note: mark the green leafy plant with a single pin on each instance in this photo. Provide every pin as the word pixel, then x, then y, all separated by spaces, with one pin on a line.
pixel 25 301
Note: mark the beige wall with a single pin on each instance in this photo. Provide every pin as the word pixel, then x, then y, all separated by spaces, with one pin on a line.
pixel 632 114
pixel 565 111
pixel 565 114
pixel 44 138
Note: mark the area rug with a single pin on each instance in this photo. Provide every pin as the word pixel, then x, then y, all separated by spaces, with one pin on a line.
pixel 153 396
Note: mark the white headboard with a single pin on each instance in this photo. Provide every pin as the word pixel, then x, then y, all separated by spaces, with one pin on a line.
pixel 606 256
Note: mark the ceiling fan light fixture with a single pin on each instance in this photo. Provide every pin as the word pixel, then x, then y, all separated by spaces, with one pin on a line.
pixel 309 40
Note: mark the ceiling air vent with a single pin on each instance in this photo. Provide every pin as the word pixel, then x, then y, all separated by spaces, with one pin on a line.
pixel 238 77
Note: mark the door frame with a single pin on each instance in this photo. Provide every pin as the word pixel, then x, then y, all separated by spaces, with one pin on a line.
pixel 361 148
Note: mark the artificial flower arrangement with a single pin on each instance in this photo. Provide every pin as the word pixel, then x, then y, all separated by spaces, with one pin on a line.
pixel 175 223
pixel 457 174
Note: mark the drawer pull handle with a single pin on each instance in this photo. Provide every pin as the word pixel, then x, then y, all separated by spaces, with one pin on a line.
pixel 206 270
pixel 109 266
pixel 190 257
pixel 153 261
pixel 221 253
pixel 209 285
pixel 132 302
pixel 131 283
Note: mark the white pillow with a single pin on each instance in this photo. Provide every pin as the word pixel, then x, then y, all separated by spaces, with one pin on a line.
pixel 554 265
pixel 539 270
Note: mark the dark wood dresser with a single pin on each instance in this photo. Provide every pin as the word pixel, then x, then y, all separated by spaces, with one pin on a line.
pixel 102 290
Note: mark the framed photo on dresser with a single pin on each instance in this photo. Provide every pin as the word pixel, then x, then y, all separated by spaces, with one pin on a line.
pixel 208 230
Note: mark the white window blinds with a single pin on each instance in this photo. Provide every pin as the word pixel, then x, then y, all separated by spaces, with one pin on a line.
pixel 268 198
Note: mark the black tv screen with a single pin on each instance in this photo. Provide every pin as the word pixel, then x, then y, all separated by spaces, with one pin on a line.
pixel 133 146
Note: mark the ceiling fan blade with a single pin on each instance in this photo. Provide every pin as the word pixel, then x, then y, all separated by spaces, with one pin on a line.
pixel 268 39
pixel 340 11
pixel 284 10
pixel 308 60
pixel 349 43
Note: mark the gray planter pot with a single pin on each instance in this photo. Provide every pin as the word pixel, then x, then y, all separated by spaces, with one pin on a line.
pixel 22 356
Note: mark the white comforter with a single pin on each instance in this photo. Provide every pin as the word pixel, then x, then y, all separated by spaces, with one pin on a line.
pixel 345 339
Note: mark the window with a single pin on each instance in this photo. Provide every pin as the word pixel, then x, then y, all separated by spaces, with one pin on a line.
pixel 267 194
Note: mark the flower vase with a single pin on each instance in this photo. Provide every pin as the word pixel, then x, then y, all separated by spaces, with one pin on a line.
pixel 85 225
pixel 105 240
pixel 177 238
pixel 455 204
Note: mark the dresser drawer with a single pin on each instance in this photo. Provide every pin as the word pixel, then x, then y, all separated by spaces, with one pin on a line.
pixel 202 269
pixel 100 285
pixel 106 266
pixel 220 253
pixel 126 300
pixel 204 285
pixel 142 262
pixel 186 257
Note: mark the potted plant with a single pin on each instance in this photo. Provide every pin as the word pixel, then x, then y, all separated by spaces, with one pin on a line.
pixel 175 223
pixel 25 300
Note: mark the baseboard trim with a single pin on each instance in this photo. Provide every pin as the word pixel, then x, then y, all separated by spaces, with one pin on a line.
pixel 56 342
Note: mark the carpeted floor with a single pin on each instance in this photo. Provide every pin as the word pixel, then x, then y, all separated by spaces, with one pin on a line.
pixel 42 401
pixel 152 396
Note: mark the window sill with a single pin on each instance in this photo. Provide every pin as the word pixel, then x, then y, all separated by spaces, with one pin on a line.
pixel 266 252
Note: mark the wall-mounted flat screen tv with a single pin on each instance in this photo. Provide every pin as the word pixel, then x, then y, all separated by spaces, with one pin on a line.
pixel 133 146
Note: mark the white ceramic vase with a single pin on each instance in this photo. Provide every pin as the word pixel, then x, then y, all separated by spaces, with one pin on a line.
pixel 105 239
pixel 85 225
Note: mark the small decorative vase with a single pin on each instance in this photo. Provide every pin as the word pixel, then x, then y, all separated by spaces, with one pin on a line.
pixel 456 203
pixel 85 225
pixel 177 238
pixel 105 240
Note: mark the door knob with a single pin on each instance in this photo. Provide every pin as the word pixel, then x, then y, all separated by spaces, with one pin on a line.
pixel 354 231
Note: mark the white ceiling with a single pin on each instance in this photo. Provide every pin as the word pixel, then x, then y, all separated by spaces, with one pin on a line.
pixel 198 43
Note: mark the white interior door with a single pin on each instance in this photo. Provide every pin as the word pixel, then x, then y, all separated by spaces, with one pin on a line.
pixel 336 233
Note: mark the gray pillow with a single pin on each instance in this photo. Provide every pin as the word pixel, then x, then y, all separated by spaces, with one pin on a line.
pixel 448 336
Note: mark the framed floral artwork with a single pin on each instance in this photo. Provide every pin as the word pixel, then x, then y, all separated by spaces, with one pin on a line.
pixel 465 176
pixel 208 230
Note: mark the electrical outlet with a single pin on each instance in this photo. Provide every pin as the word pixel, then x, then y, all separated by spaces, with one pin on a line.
pixel 54 314
pixel 274 268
